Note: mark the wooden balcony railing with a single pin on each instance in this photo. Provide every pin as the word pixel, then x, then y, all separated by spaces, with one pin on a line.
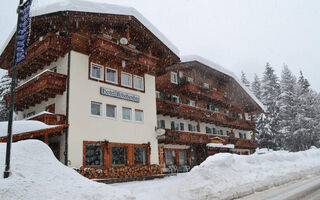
pixel 174 109
pixel 50 119
pixel 44 86
pixel 40 54
pixel 106 47
pixel 188 138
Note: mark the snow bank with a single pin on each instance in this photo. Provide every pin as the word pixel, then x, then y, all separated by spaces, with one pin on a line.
pixel 23 126
pixel 36 174
pixel 225 176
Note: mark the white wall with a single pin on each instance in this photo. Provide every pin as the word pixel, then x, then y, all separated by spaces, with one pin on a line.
pixel 83 126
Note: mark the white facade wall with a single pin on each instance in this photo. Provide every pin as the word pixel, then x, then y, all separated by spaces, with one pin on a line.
pixel 84 127
pixel 203 126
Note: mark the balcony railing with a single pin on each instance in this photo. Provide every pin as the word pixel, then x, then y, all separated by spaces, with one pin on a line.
pixel 101 46
pixel 40 54
pixel 188 138
pixel 174 109
pixel 50 119
pixel 40 88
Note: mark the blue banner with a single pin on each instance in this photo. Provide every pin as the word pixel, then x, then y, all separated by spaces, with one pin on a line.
pixel 22 32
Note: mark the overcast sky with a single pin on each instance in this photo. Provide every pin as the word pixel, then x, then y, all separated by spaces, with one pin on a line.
pixel 241 35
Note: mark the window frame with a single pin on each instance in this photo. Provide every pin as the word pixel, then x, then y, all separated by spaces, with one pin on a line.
pixel 142 84
pixel 115 111
pixel 101 72
pixel 126 73
pixel 99 103
pixel 125 155
pixel 135 119
pixel 146 154
pixel 101 156
pixel 130 114
pixel 176 75
pixel 116 78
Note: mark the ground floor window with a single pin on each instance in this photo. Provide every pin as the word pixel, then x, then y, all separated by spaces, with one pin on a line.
pixel 94 155
pixel 140 155
pixel 182 158
pixel 170 157
pixel 119 156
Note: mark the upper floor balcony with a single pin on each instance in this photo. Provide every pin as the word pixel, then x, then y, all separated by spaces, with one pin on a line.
pixel 49 118
pixel 104 47
pixel 40 54
pixel 174 109
pixel 40 88
pixel 189 138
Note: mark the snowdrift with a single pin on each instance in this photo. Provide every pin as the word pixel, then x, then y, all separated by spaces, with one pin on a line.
pixel 226 176
pixel 37 174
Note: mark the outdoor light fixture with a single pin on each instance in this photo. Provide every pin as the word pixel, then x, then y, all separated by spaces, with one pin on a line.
pixel 123 64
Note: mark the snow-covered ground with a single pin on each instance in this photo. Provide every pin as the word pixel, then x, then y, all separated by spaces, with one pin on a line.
pixel 38 175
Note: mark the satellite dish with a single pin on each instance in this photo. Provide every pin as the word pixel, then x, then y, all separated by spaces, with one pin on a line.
pixel 160 131
pixel 124 41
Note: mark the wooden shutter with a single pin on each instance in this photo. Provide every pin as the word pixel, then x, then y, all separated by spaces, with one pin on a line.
pixel 182 126
pixel 162 124
pixel 172 125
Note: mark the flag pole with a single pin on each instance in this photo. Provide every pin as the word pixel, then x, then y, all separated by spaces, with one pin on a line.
pixel 6 173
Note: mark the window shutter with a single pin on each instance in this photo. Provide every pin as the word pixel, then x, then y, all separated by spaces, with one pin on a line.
pixel 189 127
pixel 161 95
pixel 171 98
pixel 208 106
pixel 180 100
pixel 172 125
pixel 213 130
pixel 188 102
pixel 182 126
pixel 208 130
pixel 244 136
pixel 213 108
pixel 179 79
pixel 163 124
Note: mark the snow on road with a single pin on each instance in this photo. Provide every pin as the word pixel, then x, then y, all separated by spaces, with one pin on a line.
pixel 38 175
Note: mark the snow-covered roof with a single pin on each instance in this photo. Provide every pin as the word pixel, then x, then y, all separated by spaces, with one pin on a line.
pixel 219 145
pixel 23 126
pixel 219 68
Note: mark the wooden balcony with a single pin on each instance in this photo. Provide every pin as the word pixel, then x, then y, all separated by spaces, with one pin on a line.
pixel 44 86
pixel 50 119
pixel 174 109
pixel 40 54
pixel 103 47
pixel 188 138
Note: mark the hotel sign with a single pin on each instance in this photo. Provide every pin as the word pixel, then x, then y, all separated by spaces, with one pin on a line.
pixel 119 94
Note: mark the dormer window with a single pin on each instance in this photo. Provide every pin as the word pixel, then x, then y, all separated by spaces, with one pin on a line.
pixel 174 77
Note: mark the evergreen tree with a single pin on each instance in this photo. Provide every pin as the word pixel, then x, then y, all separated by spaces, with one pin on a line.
pixel 244 80
pixel 256 86
pixel 268 122
pixel 5 83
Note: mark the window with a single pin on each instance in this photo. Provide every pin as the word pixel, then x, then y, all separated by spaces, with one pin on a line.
pixel 217 110
pixel 138 114
pixel 111 111
pixel 175 99
pixel 206 85
pixel 182 158
pixel 244 136
pixel 140 156
pixel 212 108
pixel 226 112
pixel 182 126
pixel 159 95
pixel 96 108
pixel 126 113
pixel 96 71
pixel 31 114
pixel 126 79
pixel 228 133
pixel 94 155
pixel 175 125
pixel 161 124
pixel 170 157
pixel 174 77
pixel 221 132
pixel 189 79
pixel 54 69
pixel 240 135
pixel 214 131
pixel 191 103
pixel 119 156
pixel 138 82
pixel 192 128
pixel 208 130
pixel 111 75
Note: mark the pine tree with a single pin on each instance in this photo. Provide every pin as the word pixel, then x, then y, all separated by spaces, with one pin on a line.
pixel 5 83
pixel 288 108
pixel 244 80
pixel 268 122
pixel 256 86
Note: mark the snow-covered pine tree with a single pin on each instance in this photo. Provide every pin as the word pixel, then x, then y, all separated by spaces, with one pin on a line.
pixel 288 108
pixel 256 86
pixel 5 83
pixel 244 80
pixel 268 122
